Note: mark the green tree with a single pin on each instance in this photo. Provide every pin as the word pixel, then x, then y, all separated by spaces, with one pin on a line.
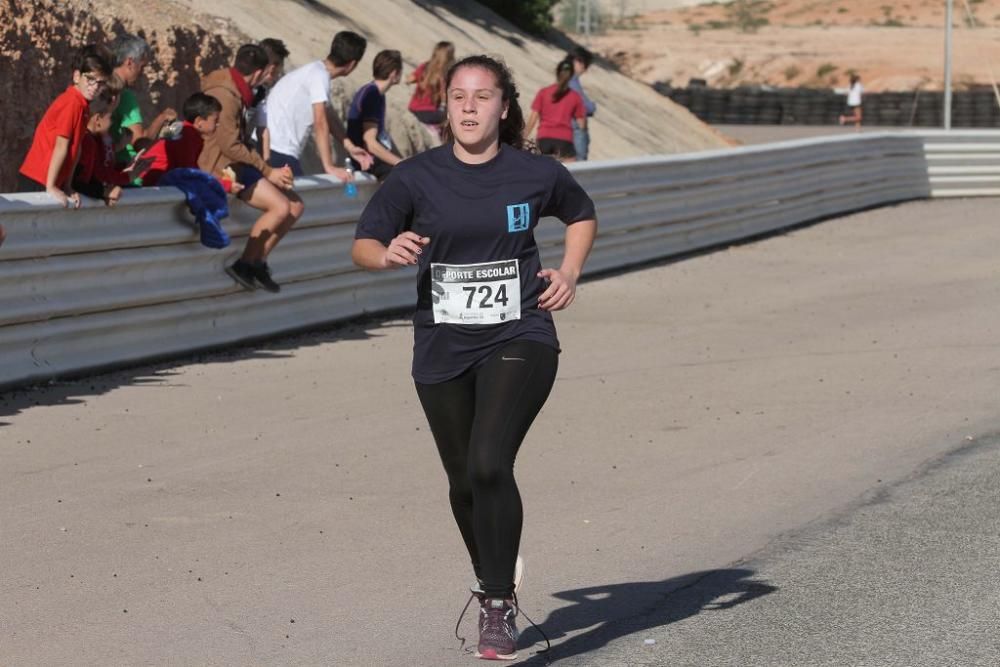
pixel 534 16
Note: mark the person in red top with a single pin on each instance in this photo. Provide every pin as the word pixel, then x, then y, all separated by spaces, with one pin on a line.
pixel 428 103
pixel 556 106
pixel 201 115
pixel 96 174
pixel 55 149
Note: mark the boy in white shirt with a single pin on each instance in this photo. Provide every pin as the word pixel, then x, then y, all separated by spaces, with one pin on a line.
pixel 299 103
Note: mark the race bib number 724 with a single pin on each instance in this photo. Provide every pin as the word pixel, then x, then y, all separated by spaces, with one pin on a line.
pixel 488 293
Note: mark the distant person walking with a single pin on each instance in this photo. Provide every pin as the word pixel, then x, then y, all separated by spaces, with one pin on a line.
pixel 427 102
pixel 582 58
pixel 554 110
pixel 854 103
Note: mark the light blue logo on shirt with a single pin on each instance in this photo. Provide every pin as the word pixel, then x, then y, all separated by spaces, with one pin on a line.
pixel 518 217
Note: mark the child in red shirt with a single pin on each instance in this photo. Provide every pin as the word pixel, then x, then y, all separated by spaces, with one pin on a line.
pixel 55 149
pixel 96 174
pixel 201 114
pixel 557 106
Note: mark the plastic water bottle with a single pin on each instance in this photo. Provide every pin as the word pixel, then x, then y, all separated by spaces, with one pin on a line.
pixel 172 131
pixel 350 187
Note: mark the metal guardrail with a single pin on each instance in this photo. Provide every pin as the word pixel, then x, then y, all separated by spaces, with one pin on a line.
pixel 87 290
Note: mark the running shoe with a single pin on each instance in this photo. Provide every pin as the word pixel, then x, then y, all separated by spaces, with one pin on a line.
pixel 262 273
pixel 497 630
pixel 243 273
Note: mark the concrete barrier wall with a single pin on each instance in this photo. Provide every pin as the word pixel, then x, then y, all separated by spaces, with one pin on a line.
pixel 92 289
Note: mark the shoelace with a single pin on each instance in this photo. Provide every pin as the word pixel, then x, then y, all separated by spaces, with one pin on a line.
pixel 520 612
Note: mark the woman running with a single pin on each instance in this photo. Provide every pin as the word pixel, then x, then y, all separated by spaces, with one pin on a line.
pixel 557 106
pixel 485 347
pixel 427 103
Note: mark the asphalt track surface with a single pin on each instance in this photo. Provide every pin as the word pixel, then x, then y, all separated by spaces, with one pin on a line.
pixel 779 453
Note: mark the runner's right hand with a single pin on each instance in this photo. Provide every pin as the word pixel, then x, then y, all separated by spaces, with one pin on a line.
pixel 405 249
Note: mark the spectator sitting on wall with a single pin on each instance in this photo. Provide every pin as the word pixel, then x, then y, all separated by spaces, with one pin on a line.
pixel 366 117
pixel 96 175
pixel 428 100
pixel 581 58
pixel 201 117
pixel 131 55
pixel 266 189
pixel 277 52
pixel 300 103
pixel 55 148
pixel 553 110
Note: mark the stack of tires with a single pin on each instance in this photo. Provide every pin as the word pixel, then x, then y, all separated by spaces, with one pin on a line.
pixel 806 106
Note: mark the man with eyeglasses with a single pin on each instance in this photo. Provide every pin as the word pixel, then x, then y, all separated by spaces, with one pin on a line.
pixel 55 148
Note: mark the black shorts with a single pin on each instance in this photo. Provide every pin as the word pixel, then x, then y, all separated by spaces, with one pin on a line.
pixel 557 147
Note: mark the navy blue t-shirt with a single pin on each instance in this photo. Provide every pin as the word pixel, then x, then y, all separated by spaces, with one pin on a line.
pixel 474 214
pixel 368 105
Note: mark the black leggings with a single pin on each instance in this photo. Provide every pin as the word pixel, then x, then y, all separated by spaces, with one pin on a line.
pixel 479 420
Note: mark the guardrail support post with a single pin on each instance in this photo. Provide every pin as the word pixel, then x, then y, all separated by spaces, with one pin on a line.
pixel 947 64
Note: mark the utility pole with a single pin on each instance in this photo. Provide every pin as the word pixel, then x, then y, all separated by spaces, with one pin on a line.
pixel 947 65
pixel 583 18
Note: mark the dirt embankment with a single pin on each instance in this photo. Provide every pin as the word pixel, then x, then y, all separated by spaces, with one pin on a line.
pixel 813 43
pixel 40 37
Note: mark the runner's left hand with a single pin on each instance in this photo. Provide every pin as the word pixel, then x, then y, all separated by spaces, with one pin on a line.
pixel 560 292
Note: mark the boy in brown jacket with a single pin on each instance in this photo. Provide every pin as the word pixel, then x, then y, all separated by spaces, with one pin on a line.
pixel 266 189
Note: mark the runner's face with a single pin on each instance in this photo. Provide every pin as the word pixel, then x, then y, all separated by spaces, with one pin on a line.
pixel 475 107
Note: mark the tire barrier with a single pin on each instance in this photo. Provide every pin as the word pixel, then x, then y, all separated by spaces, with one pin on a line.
pixel 807 106
pixel 98 288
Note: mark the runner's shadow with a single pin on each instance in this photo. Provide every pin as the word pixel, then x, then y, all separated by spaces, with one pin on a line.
pixel 618 610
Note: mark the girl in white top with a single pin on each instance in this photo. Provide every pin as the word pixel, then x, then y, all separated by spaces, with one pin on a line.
pixel 854 103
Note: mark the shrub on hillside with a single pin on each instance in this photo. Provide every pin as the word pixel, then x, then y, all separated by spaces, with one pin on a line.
pixel 534 16
pixel 749 15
